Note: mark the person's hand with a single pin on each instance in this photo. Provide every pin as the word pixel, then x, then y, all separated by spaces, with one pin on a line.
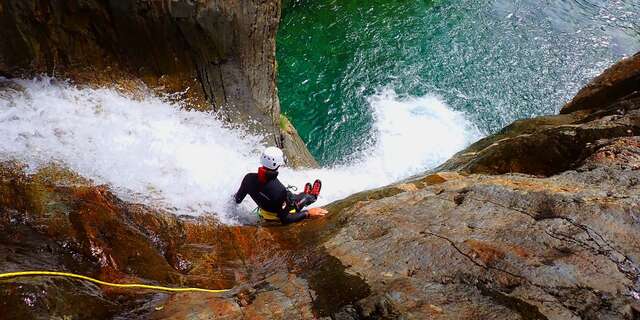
pixel 317 212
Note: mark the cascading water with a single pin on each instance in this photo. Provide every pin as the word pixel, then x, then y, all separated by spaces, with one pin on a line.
pixel 189 162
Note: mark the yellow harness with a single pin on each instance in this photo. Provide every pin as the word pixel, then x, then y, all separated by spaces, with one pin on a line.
pixel 270 216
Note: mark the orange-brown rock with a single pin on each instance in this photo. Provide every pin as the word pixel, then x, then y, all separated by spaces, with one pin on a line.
pixel 86 229
pixel 482 244
pixel 615 83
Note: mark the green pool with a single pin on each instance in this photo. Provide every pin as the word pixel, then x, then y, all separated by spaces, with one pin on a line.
pixel 496 61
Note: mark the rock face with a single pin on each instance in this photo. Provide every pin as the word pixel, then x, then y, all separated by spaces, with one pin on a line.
pixel 294 145
pixel 216 55
pixel 56 221
pixel 617 82
pixel 540 221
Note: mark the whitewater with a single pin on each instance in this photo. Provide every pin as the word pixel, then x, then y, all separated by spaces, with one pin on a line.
pixel 155 152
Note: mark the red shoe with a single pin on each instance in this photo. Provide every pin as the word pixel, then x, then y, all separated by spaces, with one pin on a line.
pixel 317 185
pixel 307 188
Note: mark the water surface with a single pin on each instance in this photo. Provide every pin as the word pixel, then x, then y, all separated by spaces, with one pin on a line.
pixel 496 61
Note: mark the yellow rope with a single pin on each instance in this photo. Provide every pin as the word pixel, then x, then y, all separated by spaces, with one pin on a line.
pixel 117 285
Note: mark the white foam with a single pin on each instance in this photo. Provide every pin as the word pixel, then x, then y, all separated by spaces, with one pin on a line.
pixel 188 162
pixel 412 135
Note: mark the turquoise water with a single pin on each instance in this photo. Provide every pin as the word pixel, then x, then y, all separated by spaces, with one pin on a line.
pixel 496 61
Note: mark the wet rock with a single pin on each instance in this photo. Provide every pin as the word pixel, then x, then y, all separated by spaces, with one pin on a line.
pixel 534 252
pixel 283 297
pixel 557 239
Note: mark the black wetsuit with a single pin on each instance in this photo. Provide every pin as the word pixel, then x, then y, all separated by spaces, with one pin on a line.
pixel 271 195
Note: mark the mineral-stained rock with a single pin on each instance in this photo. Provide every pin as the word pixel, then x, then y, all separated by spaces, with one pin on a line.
pixel 56 221
pixel 502 238
pixel 216 55
pixel 457 247
pixel 505 247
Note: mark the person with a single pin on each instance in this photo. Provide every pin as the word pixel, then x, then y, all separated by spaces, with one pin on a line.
pixel 275 202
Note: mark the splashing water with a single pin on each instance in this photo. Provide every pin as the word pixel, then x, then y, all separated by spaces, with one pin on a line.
pixel 189 162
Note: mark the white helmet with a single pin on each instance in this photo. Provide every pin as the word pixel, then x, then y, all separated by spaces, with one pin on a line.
pixel 272 158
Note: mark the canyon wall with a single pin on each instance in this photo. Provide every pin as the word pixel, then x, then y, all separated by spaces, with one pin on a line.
pixel 213 55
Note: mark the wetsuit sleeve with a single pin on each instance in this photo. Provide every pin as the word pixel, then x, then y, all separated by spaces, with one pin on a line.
pixel 244 189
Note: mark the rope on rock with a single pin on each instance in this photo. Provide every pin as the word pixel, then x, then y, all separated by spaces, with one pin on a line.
pixel 104 283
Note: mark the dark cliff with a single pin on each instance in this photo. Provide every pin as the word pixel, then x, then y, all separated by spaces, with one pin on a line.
pixel 217 55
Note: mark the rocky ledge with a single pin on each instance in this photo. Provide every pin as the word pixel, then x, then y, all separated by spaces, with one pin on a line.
pixel 539 221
